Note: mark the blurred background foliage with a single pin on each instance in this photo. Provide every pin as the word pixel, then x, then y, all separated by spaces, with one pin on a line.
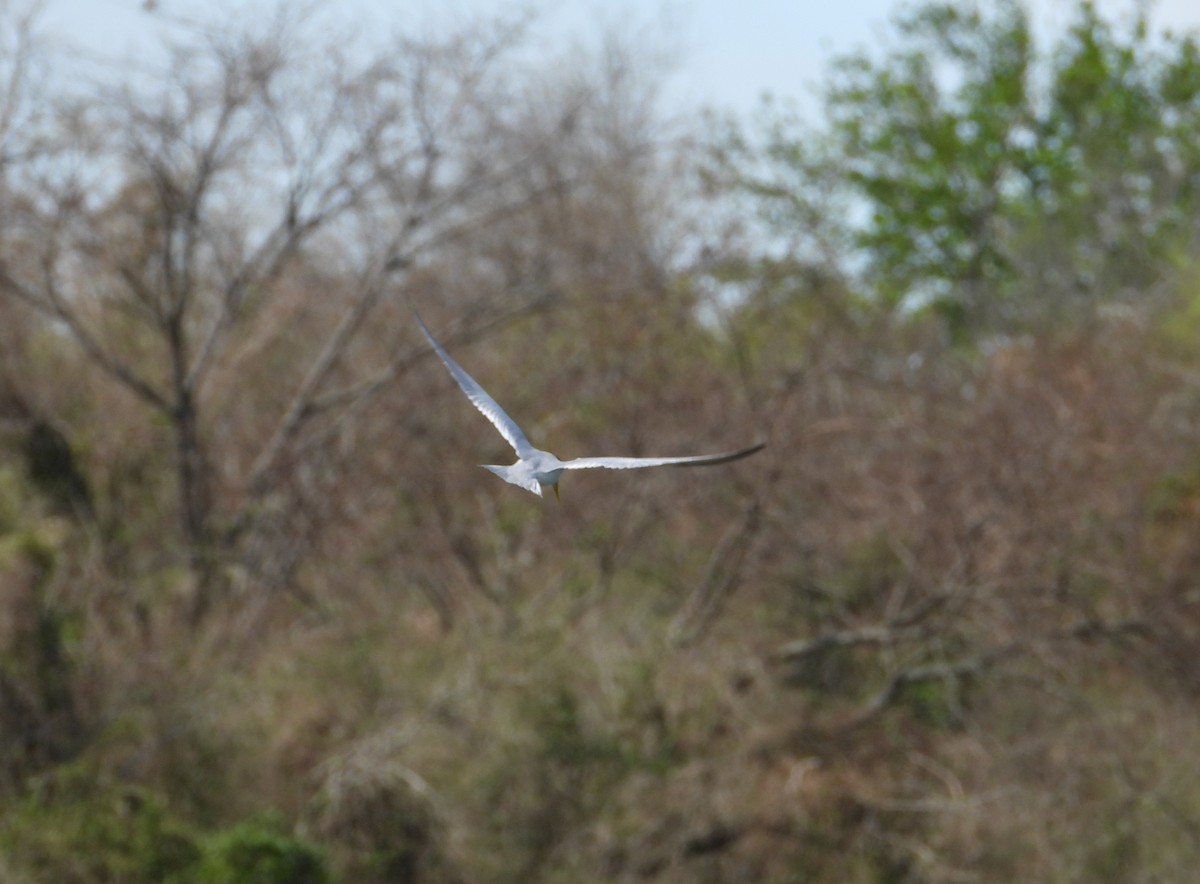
pixel 262 619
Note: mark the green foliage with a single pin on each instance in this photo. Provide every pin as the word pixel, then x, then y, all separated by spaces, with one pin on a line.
pixel 1116 855
pixel 39 548
pixel 1179 325
pixel 54 470
pixel 936 703
pixel 11 501
pixel 564 740
pixel 75 827
pixel 991 200
pixel 1175 497
pixel 38 661
pixel 869 570
pixel 935 164
pixel 260 852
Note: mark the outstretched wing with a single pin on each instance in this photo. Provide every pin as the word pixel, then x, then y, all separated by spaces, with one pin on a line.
pixel 479 397
pixel 635 463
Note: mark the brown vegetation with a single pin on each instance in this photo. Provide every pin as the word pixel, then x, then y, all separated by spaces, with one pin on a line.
pixel 261 615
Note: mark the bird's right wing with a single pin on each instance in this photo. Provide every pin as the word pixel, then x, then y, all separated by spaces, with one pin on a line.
pixel 480 398
pixel 634 463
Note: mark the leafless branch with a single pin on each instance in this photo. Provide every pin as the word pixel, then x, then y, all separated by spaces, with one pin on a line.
pixel 797 651
pixel 724 570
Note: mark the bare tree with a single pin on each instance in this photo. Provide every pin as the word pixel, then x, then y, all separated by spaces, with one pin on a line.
pixel 267 191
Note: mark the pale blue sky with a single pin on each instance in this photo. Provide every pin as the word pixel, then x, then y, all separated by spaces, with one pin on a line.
pixel 726 53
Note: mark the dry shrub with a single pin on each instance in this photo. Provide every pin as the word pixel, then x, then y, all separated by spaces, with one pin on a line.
pixel 382 817
pixel 972 554
pixel 976 567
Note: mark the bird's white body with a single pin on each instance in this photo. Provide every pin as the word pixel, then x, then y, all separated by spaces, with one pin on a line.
pixel 536 469
pixel 540 469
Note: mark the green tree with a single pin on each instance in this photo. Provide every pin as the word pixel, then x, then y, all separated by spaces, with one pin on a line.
pixel 997 184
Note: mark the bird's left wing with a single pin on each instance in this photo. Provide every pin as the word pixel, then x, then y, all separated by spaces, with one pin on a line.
pixel 635 463
pixel 479 397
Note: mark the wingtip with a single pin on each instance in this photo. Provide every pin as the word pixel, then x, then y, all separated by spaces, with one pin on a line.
pixel 742 453
pixel 749 450
pixel 421 323
pixel 739 453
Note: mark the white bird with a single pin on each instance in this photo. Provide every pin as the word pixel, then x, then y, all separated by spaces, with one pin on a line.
pixel 536 469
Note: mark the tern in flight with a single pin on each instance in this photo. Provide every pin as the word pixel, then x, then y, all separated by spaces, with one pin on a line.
pixel 535 469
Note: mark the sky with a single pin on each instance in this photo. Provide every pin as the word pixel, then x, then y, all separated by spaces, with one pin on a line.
pixel 725 53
